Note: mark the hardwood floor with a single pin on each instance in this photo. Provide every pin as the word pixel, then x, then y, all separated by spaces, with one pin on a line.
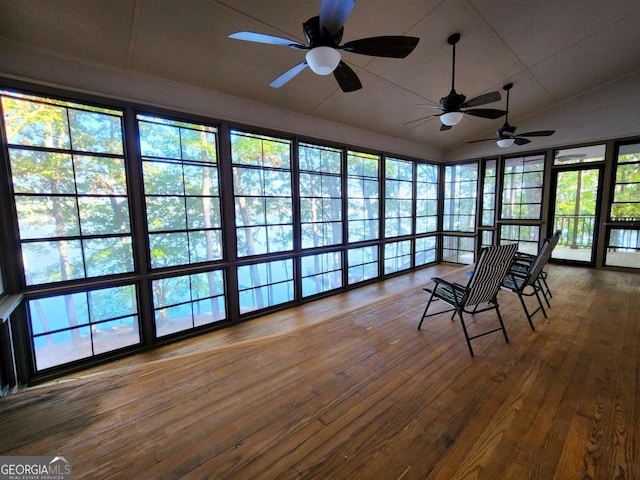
pixel 347 387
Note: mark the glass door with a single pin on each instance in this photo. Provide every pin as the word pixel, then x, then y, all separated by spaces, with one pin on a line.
pixel 576 209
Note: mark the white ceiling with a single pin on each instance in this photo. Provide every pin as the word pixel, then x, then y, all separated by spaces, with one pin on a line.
pixel 553 52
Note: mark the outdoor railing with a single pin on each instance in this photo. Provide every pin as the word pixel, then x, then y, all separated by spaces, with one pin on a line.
pixel 577 230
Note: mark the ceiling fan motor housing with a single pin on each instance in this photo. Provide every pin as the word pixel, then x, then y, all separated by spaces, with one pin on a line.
pixel 506 131
pixel 320 38
pixel 452 102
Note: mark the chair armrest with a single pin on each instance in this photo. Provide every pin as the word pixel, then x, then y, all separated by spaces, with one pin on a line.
pixel 451 285
pixel 517 274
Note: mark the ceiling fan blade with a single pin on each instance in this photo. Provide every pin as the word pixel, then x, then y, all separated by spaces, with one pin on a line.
pixel 288 75
pixel 486 113
pixel 521 141
pixel 482 100
pixel 393 46
pixel 333 14
pixel 347 78
pixel 483 140
pixel 419 119
pixel 268 39
pixel 429 105
pixel 540 133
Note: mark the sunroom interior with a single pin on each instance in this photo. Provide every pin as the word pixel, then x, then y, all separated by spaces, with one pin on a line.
pixel 155 187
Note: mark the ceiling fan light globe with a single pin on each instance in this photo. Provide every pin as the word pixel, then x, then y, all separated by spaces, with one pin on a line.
pixel 323 60
pixel 505 142
pixel 451 118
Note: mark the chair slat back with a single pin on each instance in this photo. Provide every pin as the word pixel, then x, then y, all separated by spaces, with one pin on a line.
pixel 553 240
pixel 540 262
pixel 491 268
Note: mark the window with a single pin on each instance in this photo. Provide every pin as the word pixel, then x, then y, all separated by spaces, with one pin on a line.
pixel 527 237
pixel 363 263
pixel 70 190
pixel 426 198
pixel 321 273
pixel 320 196
pixel 362 192
pixel 181 191
pixel 489 194
pixel 425 250
pixel 486 238
pixel 262 285
pixel 460 192
pixel 458 249
pixel 397 256
pixel 262 189
pixel 522 202
pixel 623 249
pixel 461 184
pixel 626 195
pixel 522 187
pixel 567 156
pixel 71 327
pixel 488 215
pixel 398 205
pixel 188 301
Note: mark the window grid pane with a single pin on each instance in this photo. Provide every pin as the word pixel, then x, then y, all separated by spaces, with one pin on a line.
pixel 70 192
pixel 362 264
pixel 397 256
pixel 624 248
pixel 262 191
pixel 458 249
pixel 363 197
pixel 489 194
pixel 461 185
pixel 593 153
pixel 181 191
pixel 188 301
pixel 425 250
pixel 626 195
pixel 265 284
pixel 398 198
pixel 522 188
pixel 71 327
pixel 321 273
pixel 486 238
pixel 426 198
pixel 320 196
pixel 527 237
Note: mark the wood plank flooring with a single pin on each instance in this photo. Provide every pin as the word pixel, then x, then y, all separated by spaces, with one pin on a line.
pixel 347 387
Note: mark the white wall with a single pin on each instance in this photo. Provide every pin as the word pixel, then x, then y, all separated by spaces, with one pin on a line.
pixel 25 63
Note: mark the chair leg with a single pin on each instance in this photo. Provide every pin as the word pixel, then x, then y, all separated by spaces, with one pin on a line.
pixel 544 294
pixel 424 314
pixel 546 285
pixel 544 312
pixel 504 330
pixel 526 311
pixel 466 334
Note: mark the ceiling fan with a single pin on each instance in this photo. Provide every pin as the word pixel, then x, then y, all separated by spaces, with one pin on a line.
pixel 455 105
pixel 323 34
pixel 507 133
